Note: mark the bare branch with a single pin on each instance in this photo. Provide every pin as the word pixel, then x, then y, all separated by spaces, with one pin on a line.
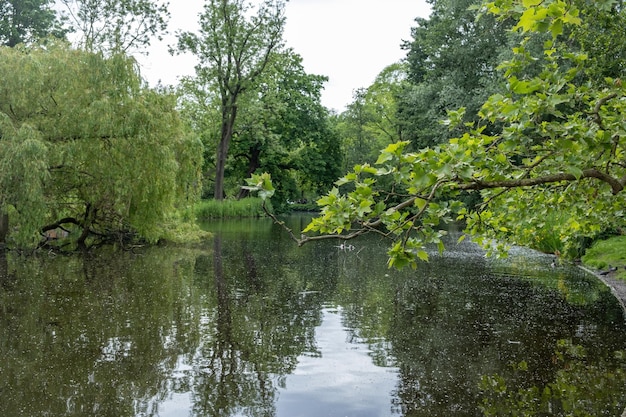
pixel 304 239
pixel 60 223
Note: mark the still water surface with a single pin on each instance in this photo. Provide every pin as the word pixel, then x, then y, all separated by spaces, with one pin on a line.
pixel 251 325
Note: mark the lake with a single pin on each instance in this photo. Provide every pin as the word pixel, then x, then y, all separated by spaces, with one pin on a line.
pixel 249 324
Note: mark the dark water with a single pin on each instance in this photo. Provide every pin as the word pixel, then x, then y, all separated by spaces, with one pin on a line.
pixel 251 325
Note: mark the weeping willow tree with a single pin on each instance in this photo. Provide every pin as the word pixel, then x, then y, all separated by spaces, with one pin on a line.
pixel 87 151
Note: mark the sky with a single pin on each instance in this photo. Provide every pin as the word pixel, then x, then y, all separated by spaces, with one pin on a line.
pixel 349 41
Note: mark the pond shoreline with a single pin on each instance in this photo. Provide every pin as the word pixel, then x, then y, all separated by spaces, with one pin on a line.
pixel 618 288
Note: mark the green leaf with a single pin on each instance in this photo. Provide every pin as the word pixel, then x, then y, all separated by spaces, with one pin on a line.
pixel 384 157
pixel 531 19
pixel 261 183
pixel 441 247
pixel 523 86
pixel 575 171
pixel 346 179
pixel 420 203
pixel 556 28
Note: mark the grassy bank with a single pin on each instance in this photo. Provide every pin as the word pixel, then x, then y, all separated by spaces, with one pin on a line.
pixel 607 252
pixel 213 209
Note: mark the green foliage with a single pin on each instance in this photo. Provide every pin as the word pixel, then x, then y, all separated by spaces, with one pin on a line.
pixel 28 22
pixel 280 127
pixel 370 122
pixel 261 183
pixel 86 147
pixel 607 252
pixel 234 48
pixel 182 228
pixel 23 158
pixel 283 129
pixel 452 60
pixel 559 148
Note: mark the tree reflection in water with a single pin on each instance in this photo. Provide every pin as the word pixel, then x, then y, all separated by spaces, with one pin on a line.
pixel 221 331
pixel 260 325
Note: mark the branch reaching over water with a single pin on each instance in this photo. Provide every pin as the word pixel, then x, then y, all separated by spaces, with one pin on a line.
pixel 616 185
pixel 366 226
pixel 304 238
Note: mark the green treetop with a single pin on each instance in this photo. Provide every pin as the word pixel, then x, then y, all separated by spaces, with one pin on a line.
pixel 234 48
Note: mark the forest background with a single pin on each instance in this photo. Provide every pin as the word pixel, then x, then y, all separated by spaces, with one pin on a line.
pixel 506 115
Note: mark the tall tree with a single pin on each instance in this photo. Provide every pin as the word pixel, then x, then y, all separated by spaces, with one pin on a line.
pixel 85 148
pixel 284 130
pixel 26 21
pixel 234 48
pixel 117 25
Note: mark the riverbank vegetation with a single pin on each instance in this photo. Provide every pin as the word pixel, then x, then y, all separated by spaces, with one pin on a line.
pixel 88 153
pixel 505 115
pixel 608 255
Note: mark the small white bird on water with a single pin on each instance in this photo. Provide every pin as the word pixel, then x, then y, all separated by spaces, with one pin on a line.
pixel 346 247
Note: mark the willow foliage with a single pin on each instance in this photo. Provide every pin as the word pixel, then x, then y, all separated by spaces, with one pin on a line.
pixel 85 146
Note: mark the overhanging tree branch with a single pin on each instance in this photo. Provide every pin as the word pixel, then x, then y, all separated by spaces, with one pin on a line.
pixel 366 226
pixel 616 185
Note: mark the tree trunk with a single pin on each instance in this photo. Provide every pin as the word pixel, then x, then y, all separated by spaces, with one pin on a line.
pixel 254 162
pixel 4 227
pixel 228 122
pixel 90 214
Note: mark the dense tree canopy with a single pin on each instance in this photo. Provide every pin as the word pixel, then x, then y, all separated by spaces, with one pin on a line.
pixel 452 62
pixel 85 149
pixel 281 128
pixel 370 122
pixel 284 129
pixel 26 21
pixel 556 161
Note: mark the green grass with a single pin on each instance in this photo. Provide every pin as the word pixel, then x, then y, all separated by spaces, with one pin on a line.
pixel 607 252
pixel 213 209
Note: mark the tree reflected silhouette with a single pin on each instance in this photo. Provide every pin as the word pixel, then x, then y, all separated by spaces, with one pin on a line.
pixel 220 330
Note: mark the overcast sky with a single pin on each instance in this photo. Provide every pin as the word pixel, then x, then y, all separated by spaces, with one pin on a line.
pixel 350 41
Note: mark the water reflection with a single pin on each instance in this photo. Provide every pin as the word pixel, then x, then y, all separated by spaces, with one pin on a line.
pixel 339 376
pixel 92 335
pixel 252 325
